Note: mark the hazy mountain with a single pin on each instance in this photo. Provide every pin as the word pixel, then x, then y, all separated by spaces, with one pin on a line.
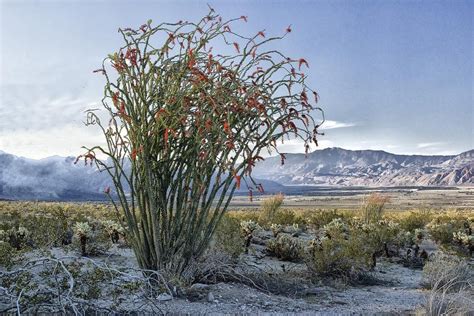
pixel 58 178
pixel 336 166
pixel 53 178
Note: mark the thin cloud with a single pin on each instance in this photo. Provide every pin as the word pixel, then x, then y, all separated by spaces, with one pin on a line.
pixel 329 124
pixel 428 145
pixel 297 145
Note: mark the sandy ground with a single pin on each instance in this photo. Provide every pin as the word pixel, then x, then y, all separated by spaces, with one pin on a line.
pixel 397 291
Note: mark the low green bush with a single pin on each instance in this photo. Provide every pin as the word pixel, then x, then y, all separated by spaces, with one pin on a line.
pixel 379 236
pixel 414 220
pixel 8 254
pixel 442 231
pixel 288 217
pixel 269 207
pixel 319 218
pixel 228 237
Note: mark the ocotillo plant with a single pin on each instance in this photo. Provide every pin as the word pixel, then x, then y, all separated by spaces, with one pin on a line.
pixel 192 122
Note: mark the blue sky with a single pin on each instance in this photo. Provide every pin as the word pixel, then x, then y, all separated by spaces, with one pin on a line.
pixel 392 75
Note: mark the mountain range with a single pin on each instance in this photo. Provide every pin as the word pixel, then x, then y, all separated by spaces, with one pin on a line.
pixel 340 167
pixel 58 178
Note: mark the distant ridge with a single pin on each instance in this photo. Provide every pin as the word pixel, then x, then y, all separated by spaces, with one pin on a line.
pixel 341 167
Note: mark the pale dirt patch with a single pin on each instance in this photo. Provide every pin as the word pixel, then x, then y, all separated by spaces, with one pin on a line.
pixel 402 294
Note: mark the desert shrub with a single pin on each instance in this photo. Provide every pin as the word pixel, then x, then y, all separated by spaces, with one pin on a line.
pixel 339 257
pixel 414 220
pixel 373 206
pixel 441 232
pixel 319 218
pixel 228 237
pixel 284 217
pixel 442 269
pixel 8 254
pixel 337 251
pixel 288 217
pixel 405 239
pixel 382 238
pixel 270 206
pixel 245 215
pixel 17 237
pixel 381 234
pixel 286 247
pixel 452 233
pixel 450 280
pixel 49 229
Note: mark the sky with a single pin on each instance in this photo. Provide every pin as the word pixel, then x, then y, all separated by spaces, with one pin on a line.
pixel 392 75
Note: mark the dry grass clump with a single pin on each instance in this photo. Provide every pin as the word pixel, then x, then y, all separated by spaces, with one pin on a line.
pixel 451 283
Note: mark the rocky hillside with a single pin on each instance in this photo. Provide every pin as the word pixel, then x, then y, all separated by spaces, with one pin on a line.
pixel 336 166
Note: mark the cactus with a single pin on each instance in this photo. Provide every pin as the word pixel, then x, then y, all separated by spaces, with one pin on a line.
pixel 113 229
pixel 83 231
pixel 276 229
pixel 247 228
pixel 286 248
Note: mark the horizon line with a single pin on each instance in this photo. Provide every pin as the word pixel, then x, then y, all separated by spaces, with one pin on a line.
pixel 286 153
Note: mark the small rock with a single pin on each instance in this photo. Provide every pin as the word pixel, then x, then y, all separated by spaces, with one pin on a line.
pixel 210 297
pixel 164 297
pixel 199 286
